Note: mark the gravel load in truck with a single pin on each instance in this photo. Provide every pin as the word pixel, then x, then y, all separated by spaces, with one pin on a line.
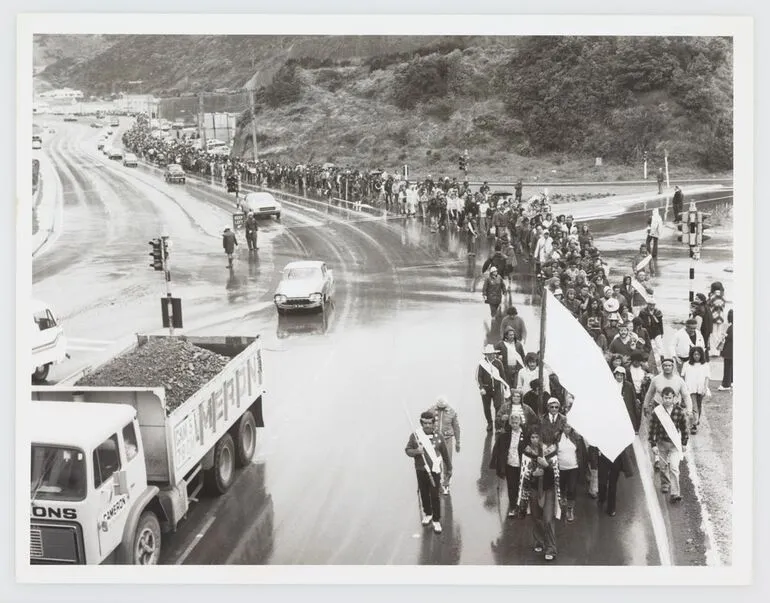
pixel 174 364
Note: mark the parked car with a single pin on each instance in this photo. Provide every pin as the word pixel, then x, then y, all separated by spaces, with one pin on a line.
pixel 116 154
pixel 130 160
pixel 263 205
pixel 175 173
pixel 306 284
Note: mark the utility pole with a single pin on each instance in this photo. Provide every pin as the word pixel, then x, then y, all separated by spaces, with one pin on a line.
pixel 253 125
pixel 201 124
pixel 167 274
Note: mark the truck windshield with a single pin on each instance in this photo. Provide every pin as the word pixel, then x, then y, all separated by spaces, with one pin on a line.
pixel 57 473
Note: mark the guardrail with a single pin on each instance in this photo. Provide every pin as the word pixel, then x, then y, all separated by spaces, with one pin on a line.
pixel 340 207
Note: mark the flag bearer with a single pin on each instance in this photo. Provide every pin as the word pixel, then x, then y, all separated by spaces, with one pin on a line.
pixel 428 450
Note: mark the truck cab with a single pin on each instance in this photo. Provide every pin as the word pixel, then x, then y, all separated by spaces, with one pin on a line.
pixel 86 487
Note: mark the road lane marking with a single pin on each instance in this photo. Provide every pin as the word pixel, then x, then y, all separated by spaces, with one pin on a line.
pixel 198 537
pixel 653 504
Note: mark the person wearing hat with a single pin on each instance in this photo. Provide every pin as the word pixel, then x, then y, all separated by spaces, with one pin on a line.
pixel 493 290
pixel 490 377
pixel 611 326
pixel 552 422
pixel 229 243
pixel 686 339
pixel 448 427
pixel 251 229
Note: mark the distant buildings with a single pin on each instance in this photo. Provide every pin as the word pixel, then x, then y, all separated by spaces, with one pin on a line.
pixel 62 94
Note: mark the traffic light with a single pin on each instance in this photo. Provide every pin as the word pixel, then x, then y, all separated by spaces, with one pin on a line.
pixel 463 163
pixel 165 247
pixel 156 254
pixel 644 156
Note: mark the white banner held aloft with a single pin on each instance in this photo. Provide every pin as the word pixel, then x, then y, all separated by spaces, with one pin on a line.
pixel 598 412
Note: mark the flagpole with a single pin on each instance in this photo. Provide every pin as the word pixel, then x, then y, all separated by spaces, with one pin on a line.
pixel 422 454
pixel 541 358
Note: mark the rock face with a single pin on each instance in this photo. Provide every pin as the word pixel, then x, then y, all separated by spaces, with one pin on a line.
pixel 176 365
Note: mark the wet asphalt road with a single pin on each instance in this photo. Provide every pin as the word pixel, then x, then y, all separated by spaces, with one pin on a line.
pixel 331 483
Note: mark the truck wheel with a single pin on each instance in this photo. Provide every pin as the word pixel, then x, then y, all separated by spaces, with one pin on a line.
pixel 146 546
pixel 41 372
pixel 221 476
pixel 246 443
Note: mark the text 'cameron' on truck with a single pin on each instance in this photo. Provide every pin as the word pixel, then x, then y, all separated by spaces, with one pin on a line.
pixel 113 468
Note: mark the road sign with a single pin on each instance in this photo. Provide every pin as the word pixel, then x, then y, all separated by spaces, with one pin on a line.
pixel 174 317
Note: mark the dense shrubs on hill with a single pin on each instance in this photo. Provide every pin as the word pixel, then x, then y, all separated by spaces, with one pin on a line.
pixel 587 95
pixel 422 79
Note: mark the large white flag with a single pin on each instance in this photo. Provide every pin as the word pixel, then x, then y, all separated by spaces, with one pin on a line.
pixel 598 413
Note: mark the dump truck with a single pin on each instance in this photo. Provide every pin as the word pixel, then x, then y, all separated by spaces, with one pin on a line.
pixel 114 468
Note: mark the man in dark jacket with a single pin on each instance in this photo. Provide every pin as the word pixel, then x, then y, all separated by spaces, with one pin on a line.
pixel 229 243
pixel 498 260
pixel 251 231
pixel 552 423
pixel 490 377
pixel 678 204
pixel 493 291
pixel 506 459
pixel 428 450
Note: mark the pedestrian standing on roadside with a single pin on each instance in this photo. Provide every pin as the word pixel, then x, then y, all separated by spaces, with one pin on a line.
pixel 727 354
pixel 493 291
pixel 506 459
pixel 492 386
pixel 429 452
pixel 678 204
pixel 448 427
pixel 668 437
pixel 251 231
pixel 696 374
pixel 518 189
pixel 661 179
pixel 653 234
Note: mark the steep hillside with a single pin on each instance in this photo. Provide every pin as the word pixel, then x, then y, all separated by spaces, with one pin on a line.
pixel 531 106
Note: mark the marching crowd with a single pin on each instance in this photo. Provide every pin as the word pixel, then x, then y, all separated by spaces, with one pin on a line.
pixel 536 451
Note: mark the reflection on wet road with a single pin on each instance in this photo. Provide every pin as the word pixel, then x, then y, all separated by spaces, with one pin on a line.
pixel 331 484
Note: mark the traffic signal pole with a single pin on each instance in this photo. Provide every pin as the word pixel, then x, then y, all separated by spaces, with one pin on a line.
pixel 167 274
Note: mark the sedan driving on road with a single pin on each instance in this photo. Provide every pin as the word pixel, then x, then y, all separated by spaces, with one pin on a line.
pixel 306 284
pixel 130 160
pixel 116 154
pixel 263 205
pixel 175 173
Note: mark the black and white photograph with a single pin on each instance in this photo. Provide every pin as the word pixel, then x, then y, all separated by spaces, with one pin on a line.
pixel 456 292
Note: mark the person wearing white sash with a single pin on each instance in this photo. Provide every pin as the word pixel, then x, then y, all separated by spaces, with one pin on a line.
pixel 490 377
pixel 429 452
pixel 668 437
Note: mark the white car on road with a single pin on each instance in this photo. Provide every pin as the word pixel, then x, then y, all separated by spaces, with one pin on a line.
pixel 262 204
pixel 130 160
pixel 307 284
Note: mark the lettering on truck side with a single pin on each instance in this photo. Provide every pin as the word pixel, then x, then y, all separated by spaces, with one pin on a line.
pixel 235 391
pixel 53 513
pixel 114 510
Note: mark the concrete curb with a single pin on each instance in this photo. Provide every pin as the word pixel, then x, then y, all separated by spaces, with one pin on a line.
pixel 49 205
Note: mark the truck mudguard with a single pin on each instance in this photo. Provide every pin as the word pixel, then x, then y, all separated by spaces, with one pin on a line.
pixel 134 514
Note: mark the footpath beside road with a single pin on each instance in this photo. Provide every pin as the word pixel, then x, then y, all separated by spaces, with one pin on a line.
pixel 48 205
